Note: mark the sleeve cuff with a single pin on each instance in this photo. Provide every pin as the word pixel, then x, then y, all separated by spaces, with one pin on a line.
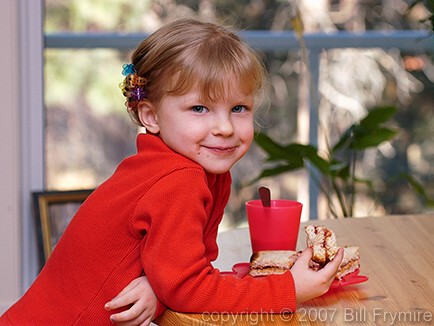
pixel 160 308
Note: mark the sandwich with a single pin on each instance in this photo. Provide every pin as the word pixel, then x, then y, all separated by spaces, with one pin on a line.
pixel 350 263
pixel 272 262
pixel 323 243
pixel 324 248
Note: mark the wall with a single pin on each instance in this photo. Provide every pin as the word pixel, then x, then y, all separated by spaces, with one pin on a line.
pixel 10 271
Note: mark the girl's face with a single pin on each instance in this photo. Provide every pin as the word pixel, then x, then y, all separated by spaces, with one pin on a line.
pixel 215 135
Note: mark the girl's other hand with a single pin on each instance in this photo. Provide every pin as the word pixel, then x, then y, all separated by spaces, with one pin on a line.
pixel 310 284
pixel 140 296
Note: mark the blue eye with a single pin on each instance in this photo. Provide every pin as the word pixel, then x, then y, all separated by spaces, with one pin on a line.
pixel 239 109
pixel 199 109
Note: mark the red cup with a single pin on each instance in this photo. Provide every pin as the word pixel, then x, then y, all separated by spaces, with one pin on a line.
pixel 275 227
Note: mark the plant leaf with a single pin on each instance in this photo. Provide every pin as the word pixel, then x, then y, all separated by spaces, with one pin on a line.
pixel 345 139
pixel 375 137
pixel 377 116
pixel 310 153
pixel 340 170
pixel 357 136
pixel 275 171
pixel 274 150
pixel 418 188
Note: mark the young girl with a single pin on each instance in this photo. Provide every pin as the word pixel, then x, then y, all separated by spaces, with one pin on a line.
pixel 192 85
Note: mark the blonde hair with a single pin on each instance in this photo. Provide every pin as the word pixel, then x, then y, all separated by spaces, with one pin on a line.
pixel 188 53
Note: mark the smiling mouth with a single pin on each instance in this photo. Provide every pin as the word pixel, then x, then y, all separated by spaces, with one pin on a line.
pixel 221 149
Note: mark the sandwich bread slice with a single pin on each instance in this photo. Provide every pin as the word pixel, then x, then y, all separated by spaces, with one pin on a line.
pixel 272 262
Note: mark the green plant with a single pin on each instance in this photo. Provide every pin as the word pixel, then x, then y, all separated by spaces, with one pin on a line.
pixel 337 166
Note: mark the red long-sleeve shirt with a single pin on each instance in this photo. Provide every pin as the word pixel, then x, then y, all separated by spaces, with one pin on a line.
pixel 158 213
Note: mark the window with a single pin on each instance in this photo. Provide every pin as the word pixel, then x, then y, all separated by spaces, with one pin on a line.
pixel 414 150
pixel 88 132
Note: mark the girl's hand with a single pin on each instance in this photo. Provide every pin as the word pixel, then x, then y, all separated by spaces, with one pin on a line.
pixel 141 297
pixel 310 284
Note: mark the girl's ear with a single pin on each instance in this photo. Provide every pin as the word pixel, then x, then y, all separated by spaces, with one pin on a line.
pixel 148 117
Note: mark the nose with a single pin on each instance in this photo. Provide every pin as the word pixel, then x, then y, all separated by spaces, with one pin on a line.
pixel 223 126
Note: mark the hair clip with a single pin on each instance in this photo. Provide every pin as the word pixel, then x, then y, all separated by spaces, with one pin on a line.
pixel 133 86
pixel 128 68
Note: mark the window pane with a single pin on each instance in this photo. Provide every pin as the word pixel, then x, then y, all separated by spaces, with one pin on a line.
pixel 354 81
pixel 88 130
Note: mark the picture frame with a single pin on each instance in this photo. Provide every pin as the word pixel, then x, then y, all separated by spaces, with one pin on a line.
pixel 53 212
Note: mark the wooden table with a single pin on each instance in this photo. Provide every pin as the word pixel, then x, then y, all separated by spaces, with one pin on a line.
pixel 397 254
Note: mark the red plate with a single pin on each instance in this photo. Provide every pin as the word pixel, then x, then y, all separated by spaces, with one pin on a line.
pixel 349 279
pixel 240 270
